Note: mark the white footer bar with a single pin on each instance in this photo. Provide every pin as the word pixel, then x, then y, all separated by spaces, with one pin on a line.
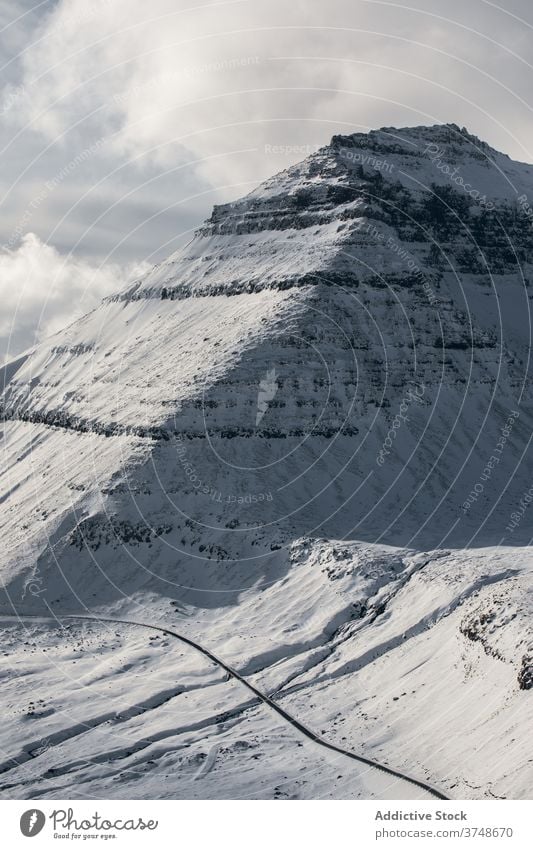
pixel 267 825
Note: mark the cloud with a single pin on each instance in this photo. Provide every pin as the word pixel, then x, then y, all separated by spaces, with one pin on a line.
pixel 190 100
pixel 216 79
pixel 43 290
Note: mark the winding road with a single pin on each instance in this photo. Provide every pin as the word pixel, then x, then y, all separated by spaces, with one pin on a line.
pixel 263 697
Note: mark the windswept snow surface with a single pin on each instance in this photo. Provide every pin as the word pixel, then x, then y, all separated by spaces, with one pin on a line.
pixel 303 442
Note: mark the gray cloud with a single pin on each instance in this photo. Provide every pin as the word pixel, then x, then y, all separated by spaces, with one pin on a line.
pixel 180 108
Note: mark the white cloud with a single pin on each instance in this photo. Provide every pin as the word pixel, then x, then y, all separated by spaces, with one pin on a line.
pixel 43 290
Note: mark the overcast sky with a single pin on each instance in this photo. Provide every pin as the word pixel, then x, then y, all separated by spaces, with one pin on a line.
pixel 124 121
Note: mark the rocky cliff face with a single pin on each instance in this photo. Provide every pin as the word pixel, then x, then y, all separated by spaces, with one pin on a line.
pixel 281 424
pixel 336 354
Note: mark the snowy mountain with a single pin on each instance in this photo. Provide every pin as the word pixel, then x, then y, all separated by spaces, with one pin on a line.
pixel 302 441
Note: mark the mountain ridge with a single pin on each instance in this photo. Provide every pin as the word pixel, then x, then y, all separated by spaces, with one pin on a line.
pixel 273 434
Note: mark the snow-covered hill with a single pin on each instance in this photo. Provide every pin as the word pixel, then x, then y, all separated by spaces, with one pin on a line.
pixel 303 440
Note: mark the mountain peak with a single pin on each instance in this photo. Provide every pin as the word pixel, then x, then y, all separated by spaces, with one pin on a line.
pixel 296 441
pixel 306 221
pixel 413 138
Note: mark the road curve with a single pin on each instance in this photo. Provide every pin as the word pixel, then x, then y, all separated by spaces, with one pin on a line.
pixel 303 729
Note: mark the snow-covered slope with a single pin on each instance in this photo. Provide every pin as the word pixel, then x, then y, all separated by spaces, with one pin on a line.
pixel 305 441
